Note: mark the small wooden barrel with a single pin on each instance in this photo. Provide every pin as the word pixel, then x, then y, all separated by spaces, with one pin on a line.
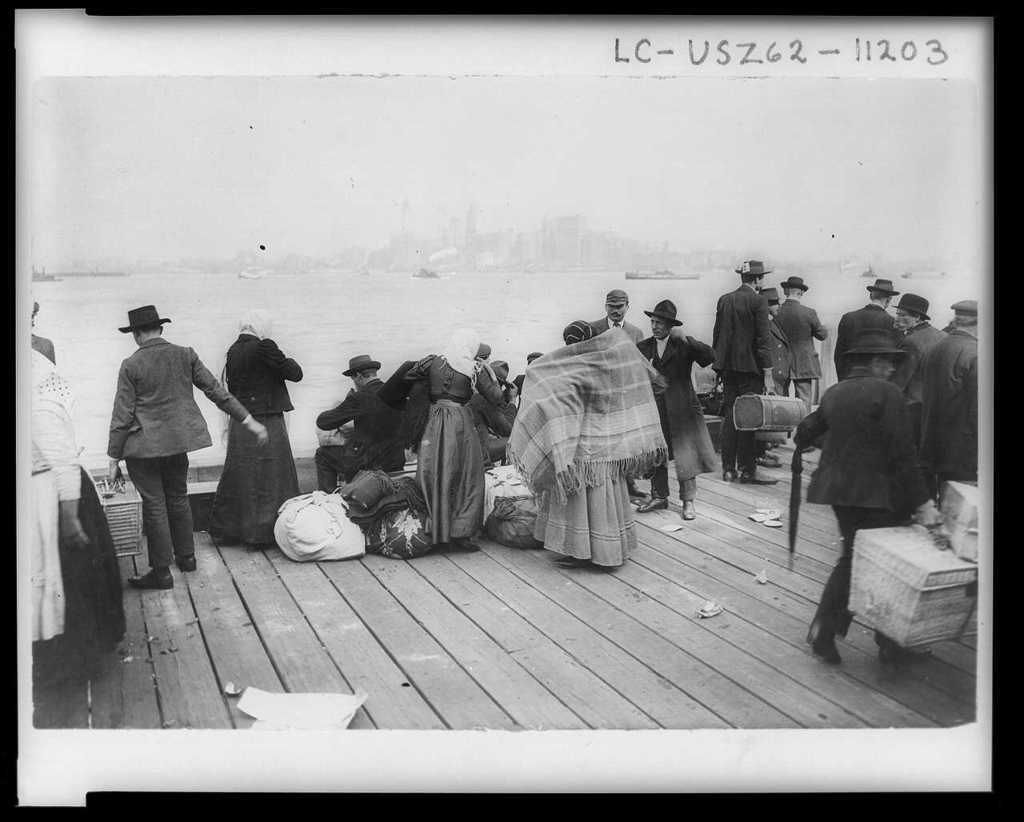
pixel 122 506
pixel 767 412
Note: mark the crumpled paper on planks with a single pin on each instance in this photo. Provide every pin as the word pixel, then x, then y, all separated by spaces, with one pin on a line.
pixel 308 712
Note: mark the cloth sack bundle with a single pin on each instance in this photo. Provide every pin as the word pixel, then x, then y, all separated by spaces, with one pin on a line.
pixel 399 535
pixel 315 527
pixel 511 522
pixel 367 488
pixel 502 481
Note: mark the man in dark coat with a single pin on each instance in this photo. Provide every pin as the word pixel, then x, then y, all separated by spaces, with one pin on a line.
pixel 682 419
pixel 155 423
pixel 802 328
pixel 494 422
pixel 949 401
pixel 918 338
pixel 616 304
pixel 743 357
pixel 873 315
pixel 782 366
pixel 868 473
pixel 372 438
pixel 41 344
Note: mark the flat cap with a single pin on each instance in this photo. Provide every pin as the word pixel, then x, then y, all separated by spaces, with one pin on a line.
pixel 616 295
pixel 966 307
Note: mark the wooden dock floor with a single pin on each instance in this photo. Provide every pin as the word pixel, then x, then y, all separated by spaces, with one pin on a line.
pixel 505 639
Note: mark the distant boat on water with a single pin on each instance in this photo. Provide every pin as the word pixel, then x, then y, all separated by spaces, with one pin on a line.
pixel 43 277
pixel 868 272
pixel 663 274
pixel 250 274
pixel 425 274
pixel 924 275
pixel 63 275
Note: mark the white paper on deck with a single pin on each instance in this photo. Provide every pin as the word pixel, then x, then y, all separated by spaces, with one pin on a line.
pixel 300 711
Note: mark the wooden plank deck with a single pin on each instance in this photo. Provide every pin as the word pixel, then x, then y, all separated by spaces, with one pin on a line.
pixel 505 639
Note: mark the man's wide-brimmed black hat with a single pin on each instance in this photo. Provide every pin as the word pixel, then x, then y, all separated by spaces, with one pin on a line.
pixel 141 317
pixel 795 282
pixel 361 362
pixel 883 286
pixel 754 268
pixel 665 310
pixel 875 341
pixel 916 305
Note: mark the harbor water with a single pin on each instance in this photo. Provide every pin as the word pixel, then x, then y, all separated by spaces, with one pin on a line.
pixel 322 319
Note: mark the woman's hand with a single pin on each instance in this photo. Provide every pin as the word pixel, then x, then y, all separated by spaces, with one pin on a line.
pixel 71 534
pixel 257 429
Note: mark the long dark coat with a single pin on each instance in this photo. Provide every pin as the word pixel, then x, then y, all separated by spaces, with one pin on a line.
pixel 782 354
pixel 852 323
pixel 741 338
pixel 256 371
pixel 949 408
pixel 802 328
pixel 682 418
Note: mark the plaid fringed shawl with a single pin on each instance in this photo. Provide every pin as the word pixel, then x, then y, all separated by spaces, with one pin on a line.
pixel 587 414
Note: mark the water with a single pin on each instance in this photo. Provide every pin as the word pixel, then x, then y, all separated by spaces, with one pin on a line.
pixel 323 319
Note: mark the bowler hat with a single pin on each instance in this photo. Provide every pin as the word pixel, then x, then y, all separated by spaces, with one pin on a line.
pixel 966 307
pixel 884 286
pixel 795 282
pixel 770 294
pixel 875 341
pixel 665 310
pixel 483 352
pixel 754 268
pixel 616 296
pixel 141 317
pixel 916 305
pixel 361 362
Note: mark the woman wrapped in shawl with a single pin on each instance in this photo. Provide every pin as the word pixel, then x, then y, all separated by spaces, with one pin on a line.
pixel 587 421
pixel 450 469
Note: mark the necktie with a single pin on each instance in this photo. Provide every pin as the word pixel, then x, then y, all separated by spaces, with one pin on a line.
pixel 618 325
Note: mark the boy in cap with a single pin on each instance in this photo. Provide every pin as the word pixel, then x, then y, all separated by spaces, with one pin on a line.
pixel 873 315
pixel 616 304
pixel 949 401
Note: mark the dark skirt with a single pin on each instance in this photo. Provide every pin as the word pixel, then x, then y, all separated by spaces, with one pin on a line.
pixel 450 473
pixel 254 484
pixel 93 610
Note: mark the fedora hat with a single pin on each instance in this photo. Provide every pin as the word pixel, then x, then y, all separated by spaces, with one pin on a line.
pixel 884 286
pixel 795 282
pixel 753 267
pixel 361 362
pixel 770 294
pixel 915 304
pixel 141 317
pixel 665 310
pixel 875 341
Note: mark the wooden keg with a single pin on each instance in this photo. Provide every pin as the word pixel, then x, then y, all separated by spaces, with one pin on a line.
pixel 767 412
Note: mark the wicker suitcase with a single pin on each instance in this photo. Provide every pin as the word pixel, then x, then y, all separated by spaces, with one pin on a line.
pixel 122 506
pixel 767 412
pixel 905 587
pixel 959 507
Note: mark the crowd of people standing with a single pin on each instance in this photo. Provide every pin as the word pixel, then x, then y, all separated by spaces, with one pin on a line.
pixel 583 425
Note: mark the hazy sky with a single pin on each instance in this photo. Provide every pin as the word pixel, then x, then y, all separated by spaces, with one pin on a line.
pixel 170 168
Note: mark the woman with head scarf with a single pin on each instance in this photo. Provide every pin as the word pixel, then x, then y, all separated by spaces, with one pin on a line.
pixel 587 421
pixel 256 480
pixel 77 613
pixel 450 469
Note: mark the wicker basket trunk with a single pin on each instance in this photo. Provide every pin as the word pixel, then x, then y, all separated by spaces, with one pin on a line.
pixel 767 412
pixel 123 508
pixel 905 587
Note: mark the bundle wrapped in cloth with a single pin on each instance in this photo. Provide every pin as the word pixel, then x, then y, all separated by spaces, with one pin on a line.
pixel 391 512
pixel 587 414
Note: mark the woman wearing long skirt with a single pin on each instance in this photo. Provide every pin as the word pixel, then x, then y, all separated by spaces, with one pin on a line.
pixel 77 613
pixel 587 421
pixel 256 479
pixel 450 468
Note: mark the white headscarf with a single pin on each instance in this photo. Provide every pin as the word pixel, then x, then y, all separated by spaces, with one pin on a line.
pixel 50 386
pixel 256 321
pixel 460 352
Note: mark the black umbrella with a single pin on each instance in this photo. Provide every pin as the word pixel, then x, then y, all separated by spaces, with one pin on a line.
pixel 794 501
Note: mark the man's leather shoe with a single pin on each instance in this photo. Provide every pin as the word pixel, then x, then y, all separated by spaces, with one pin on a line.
pixel 826 651
pixel 753 479
pixel 728 475
pixel 688 510
pixel 186 563
pixel 466 545
pixel 655 504
pixel 159 579
pixel 769 461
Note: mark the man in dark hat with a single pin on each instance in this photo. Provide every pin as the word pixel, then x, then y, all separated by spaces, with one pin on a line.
pixel 782 366
pixel 494 422
pixel 918 337
pixel 155 423
pixel 616 304
pixel 873 315
pixel 743 357
pixel 802 328
pixel 682 419
pixel 41 344
pixel 367 431
pixel 867 472
pixel 949 401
